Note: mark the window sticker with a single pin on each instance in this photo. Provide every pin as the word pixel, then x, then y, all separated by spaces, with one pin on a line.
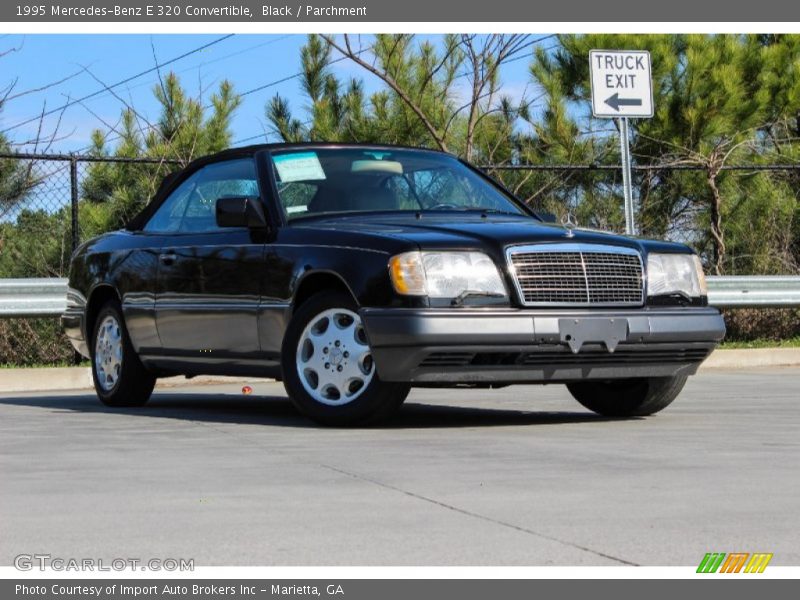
pixel 302 166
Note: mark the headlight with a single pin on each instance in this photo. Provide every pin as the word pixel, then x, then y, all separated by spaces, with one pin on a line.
pixel 675 273
pixel 445 274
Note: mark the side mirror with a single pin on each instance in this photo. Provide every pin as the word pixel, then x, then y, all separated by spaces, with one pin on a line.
pixel 547 217
pixel 240 211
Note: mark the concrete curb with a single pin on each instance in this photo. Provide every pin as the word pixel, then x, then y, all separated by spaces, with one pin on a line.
pixel 79 378
pixel 751 358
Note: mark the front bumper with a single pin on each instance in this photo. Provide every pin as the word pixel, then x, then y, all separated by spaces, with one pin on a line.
pixel 72 321
pixel 500 346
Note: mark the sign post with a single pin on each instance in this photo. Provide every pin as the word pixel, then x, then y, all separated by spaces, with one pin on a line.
pixel 627 188
pixel 621 89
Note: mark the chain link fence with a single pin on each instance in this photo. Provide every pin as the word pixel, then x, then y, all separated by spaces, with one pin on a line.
pixel 762 324
pixel 759 219
pixel 756 218
pixel 51 203
pixel 36 228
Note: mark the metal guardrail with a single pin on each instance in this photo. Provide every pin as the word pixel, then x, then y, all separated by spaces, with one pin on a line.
pixel 768 291
pixel 45 297
pixel 48 297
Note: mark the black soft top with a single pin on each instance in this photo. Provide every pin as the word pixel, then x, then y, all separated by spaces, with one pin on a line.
pixel 169 181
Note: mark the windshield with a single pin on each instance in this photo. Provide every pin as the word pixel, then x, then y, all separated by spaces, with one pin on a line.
pixel 323 181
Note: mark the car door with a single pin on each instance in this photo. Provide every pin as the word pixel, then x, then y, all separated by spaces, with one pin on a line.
pixel 210 278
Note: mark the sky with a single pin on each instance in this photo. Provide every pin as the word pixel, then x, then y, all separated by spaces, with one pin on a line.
pixel 88 63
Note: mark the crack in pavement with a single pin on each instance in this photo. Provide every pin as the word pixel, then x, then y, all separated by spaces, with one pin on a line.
pixel 518 528
pixel 457 509
pixel 478 515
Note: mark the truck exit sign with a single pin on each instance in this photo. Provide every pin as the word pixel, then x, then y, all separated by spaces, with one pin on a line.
pixel 621 83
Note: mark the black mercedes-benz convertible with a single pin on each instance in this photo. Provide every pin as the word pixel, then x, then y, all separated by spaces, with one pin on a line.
pixel 353 273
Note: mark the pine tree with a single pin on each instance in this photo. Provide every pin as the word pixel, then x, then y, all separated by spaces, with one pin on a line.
pixel 185 129
pixel 718 99
pixel 446 97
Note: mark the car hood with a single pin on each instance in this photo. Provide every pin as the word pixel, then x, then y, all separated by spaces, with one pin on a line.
pixel 456 231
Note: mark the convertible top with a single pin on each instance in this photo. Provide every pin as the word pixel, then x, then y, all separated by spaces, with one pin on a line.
pixel 168 182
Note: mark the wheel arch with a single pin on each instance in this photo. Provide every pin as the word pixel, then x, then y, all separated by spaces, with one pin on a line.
pixel 99 295
pixel 313 282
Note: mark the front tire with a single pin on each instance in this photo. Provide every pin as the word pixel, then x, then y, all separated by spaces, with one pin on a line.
pixel 628 397
pixel 328 369
pixel 120 378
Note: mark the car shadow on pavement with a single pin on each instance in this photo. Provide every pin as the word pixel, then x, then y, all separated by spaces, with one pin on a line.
pixel 278 411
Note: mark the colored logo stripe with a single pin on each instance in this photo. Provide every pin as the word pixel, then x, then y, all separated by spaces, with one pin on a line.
pixel 757 563
pixel 734 563
pixel 711 562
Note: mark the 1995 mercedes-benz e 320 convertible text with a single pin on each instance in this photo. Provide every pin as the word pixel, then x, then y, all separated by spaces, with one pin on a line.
pixel 354 273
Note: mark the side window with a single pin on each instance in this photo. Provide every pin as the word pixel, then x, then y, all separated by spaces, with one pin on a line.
pixel 191 207
pixel 168 216
pixel 297 195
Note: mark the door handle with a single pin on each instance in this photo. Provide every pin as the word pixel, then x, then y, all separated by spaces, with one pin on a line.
pixel 168 258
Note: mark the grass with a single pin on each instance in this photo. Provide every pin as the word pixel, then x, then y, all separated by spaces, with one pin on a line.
pixel 787 343
pixel 83 363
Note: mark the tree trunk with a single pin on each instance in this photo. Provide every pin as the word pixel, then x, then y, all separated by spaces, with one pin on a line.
pixel 717 236
pixel 401 92
pixel 646 226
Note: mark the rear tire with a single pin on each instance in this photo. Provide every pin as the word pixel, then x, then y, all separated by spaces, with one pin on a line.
pixel 328 370
pixel 628 397
pixel 120 378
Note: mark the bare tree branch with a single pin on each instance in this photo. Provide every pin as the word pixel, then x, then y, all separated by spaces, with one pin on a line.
pixel 13 49
pixel 41 88
pixel 128 105
pixel 347 51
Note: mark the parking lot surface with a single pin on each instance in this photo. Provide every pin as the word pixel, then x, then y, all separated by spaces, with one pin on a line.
pixel 518 476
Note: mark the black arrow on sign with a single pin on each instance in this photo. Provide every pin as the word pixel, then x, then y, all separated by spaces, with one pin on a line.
pixel 615 102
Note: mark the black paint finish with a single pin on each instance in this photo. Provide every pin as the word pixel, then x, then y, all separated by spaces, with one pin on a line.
pixel 219 301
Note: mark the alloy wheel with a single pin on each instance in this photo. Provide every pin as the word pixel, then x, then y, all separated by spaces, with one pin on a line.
pixel 334 361
pixel 108 353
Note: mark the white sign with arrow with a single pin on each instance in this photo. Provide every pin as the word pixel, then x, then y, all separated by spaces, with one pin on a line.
pixel 621 83
pixel 622 88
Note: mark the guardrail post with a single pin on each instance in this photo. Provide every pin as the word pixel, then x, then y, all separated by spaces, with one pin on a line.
pixel 73 181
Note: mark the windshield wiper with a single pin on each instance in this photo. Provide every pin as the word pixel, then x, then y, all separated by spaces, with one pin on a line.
pixel 459 300
pixel 464 209
pixel 497 211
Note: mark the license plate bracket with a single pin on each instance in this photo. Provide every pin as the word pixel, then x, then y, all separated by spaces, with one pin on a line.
pixel 609 331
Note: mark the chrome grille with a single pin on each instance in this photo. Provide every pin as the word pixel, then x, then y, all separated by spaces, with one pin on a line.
pixel 577 275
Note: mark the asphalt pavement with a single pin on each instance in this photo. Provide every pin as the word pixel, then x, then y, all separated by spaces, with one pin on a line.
pixel 518 476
